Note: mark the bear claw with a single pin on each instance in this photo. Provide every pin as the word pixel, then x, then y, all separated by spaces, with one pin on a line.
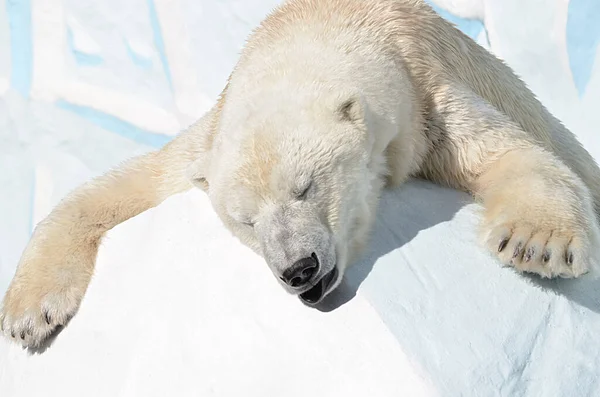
pixel 518 249
pixel 529 254
pixel 546 256
pixel 570 259
pixel 503 244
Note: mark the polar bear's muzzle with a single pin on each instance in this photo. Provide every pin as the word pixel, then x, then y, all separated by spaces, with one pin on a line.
pixel 300 250
pixel 308 278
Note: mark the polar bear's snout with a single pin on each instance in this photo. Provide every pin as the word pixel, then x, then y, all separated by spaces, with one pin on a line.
pixel 301 273
pixel 300 251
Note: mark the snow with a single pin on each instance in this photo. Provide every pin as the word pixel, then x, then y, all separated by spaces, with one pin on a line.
pixel 179 307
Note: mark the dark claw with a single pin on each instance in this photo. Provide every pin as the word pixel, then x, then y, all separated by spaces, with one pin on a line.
pixel 47 317
pixel 517 250
pixel 23 335
pixel 529 254
pixel 546 256
pixel 570 258
pixel 503 244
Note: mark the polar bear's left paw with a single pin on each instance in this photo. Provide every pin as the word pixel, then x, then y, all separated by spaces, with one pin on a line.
pixel 549 252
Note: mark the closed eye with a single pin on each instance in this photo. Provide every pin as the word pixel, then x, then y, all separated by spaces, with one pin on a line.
pixel 301 194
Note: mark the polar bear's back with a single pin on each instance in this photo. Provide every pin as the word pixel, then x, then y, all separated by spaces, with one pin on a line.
pixel 435 54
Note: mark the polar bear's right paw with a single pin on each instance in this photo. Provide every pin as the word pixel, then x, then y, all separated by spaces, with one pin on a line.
pixel 51 279
pixel 31 310
pixel 548 252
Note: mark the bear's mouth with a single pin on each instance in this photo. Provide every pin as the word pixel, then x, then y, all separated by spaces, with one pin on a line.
pixel 316 293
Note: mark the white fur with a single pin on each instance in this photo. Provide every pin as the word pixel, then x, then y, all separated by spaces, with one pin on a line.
pixel 344 96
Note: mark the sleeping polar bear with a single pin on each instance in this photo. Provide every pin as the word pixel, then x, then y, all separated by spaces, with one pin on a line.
pixel 331 102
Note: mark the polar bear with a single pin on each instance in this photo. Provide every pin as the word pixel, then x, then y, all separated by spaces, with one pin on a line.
pixel 331 102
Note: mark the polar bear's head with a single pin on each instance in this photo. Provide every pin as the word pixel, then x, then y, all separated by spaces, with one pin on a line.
pixel 298 186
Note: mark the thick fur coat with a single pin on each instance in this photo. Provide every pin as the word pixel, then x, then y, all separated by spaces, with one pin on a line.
pixel 331 102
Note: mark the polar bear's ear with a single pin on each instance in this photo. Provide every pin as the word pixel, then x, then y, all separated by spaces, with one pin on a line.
pixel 196 172
pixel 351 110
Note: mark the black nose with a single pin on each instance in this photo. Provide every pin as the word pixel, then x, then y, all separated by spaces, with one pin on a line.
pixel 301 271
